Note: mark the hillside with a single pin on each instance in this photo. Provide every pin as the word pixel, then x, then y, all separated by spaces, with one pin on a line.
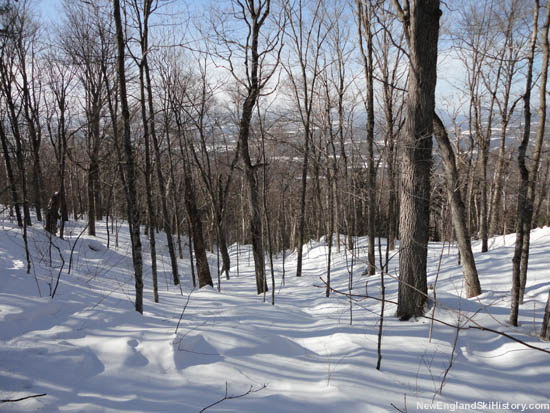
pixel 89 351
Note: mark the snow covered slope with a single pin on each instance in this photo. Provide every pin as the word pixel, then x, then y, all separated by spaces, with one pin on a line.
pixel 87 350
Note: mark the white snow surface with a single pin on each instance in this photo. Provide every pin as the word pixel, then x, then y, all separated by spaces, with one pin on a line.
pixel 89 351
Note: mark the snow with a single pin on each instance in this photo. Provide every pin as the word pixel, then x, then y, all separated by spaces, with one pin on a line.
pixel 89 351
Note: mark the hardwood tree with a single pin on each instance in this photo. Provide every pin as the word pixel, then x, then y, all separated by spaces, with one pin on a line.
pixel 88 44
pixel 336 106
pixel 60 78
pixel 306 31
pixel 537 150
pixel 199 107
pixel 365 14
pixel 130 188
pixel 6 32
pixel 528 172
pixel 175 83
pixel 143 13
pixel 389 55
pixel 473 40
pixel 256 51
pixel 507 59
pixel 12 102
pixel 473 288
pixel 420 20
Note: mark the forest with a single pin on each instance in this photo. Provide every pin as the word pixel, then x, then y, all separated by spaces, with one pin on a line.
pixel 240 146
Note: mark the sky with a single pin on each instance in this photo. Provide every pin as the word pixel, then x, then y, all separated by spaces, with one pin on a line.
pixel 450 71
pixel 49 9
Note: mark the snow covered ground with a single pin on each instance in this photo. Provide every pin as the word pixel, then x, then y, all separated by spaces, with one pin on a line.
pixel 87 350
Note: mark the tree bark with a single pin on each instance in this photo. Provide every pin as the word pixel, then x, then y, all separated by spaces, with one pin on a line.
pixel 533 173
pixel 524 208
pixel 131 197
pixel 203 270
pixel 473 287
pixel 148 186
pixel 11 177
pixel 545 329
pixel 253 92
pixel 156 146
pixel 365 14
pixel 421 25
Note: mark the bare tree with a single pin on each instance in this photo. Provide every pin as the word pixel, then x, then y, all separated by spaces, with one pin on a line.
pixel 473 42
pixel 255 52
pixel 306 30
pixel 60 77
pixel 507 59
pixel 148 7
pixel 537 151
pixel 87 42
pixel 528 173
pixel 421 25
pixel 473 287
pixel 389 55
pixel 10 171
pixel 524 202
pixel 175 83
pixel 13 104
pixel 365 14
pixel 130 189
pixel 199 105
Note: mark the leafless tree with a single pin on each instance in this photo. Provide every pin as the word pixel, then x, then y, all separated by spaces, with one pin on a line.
pixel 255 53
pixel 473 287
pixel 421 25
pixel 130 189
pixel 306 31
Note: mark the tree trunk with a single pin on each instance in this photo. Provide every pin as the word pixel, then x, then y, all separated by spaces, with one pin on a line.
pixel 148 185
pixel 545 329
pixel 190 245
pixel 91 176
pixel 253 197
pixel 365 14
pixel 11 177
pixel 131 198
pixel 533 173
pixel 253 92
pixel 144 65
pixel 203 270
pixel 226 261
pixel 495 215
pixel 160 177
pixel 303 193
pixel 422 30
pixel 473 287
pixel 524 209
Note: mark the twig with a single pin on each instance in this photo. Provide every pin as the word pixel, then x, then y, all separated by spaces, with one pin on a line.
pixel 183 311
pixel 72 249
pixel 226 397
pixel 22 398
pixel 60 270
pixel 449 367
pixel 434 287
pixel 397 408
pixel 477 326
pixel 383 268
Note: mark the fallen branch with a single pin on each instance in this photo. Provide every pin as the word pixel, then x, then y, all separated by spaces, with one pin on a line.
pixel 183 311
pixel 72 249
pixel 476 325
pixel 22 398
pixel 226 397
